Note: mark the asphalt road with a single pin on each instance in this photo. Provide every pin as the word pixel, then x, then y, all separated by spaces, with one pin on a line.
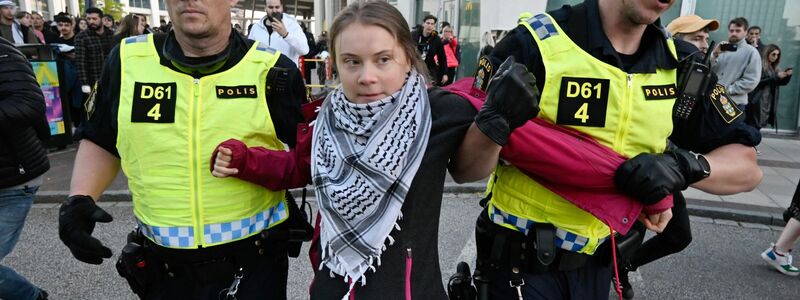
pixel 722 263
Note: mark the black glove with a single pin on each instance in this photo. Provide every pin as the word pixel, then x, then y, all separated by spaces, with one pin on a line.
pixel 511 100
pixel 76 220
pixel 651 177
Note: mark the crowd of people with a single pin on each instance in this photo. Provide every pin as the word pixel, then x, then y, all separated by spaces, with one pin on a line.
pixel 578 116
pixel 81 43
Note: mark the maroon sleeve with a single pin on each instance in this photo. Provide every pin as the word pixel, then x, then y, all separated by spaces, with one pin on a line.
pixel 275 169
pixel 658 207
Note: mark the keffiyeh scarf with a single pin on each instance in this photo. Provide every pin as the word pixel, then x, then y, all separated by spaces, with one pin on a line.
pixel 363 161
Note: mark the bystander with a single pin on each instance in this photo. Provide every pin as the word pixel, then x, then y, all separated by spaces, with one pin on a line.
pixel 91 49
pixel 23 160
pixel 738 64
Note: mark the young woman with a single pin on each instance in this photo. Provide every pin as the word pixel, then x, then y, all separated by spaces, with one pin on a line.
pixel 81 25
pixel 24 18
pixel 37 24
pixel 764 98
pixel 381 148
pixel 382 143
pixel 128 26
pixel 451 49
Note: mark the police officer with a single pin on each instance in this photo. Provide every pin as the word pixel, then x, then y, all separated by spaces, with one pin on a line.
pixel 611 75
pixel 677 235
pixel 163 104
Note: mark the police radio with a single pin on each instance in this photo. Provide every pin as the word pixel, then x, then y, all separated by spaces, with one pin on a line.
pixel 692 84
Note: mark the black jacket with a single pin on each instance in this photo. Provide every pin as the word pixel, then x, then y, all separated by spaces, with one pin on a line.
pixel 429 47
pixel 22 120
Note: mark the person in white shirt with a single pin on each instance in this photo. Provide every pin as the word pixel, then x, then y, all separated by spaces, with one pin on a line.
pixel 280 32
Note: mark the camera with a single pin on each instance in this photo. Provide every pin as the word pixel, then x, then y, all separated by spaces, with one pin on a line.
pixel 728 47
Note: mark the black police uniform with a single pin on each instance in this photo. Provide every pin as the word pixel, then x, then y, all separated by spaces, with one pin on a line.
pixel 206 273
pixel 706 129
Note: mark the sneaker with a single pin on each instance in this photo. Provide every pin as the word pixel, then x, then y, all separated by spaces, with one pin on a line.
pixel 782 263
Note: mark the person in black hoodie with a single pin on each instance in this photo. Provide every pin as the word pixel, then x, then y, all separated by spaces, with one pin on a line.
pixel 23 160
pixel 429 46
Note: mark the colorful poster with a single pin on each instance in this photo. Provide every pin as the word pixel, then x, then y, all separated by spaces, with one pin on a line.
pixel 47 76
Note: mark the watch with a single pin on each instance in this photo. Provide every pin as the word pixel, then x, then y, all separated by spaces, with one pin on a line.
pixel 703 163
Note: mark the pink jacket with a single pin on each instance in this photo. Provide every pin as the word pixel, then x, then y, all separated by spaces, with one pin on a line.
pixel 569 163
pixel 450 52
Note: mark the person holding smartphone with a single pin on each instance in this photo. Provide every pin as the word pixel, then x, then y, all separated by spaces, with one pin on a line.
pixel 280 32
pixel 764 99
pixel 738 64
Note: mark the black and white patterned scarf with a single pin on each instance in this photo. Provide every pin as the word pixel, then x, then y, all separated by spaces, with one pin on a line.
pixel 363 161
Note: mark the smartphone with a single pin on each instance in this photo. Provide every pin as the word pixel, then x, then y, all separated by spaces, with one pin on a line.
pixel 275 16
pixel 728 47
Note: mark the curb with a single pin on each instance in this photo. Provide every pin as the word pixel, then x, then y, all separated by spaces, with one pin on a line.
pixel 701 208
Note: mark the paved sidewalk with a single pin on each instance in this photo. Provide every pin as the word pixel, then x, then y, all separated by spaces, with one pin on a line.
pixel 779 160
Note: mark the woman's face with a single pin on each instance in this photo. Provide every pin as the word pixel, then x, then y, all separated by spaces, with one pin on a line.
pixel 774 55
pixel 448 32
pixel 26 20
pixel 83 25
pixel 139 27
pixel 371 63
pixel 38 22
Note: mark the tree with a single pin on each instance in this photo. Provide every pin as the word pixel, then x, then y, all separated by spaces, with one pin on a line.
pixel 109 7
pixel 113 8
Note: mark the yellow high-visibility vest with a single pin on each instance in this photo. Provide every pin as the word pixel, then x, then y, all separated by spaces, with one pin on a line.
pixel 169 124
pixel 630 113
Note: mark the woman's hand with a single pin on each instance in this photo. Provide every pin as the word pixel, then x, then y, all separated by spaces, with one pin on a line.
pixel 785 73
pixel 656 222
pixel 221 163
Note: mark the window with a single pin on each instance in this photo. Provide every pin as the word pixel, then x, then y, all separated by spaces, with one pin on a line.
pixel 139 3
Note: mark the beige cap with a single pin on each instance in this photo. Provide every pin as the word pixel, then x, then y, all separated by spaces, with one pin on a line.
pixel 691 23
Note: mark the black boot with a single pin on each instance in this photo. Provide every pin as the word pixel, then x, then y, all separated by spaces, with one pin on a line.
pixel 42 295
pixel 624 283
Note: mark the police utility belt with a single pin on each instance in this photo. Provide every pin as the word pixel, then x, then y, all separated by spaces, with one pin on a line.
pixel 142 262
pixel 507 249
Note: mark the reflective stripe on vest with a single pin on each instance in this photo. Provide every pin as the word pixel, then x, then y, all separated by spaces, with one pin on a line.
pixel 630 113
pixel 169 125
pixel 564 239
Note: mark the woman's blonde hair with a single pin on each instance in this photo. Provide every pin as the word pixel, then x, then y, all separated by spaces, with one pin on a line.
pixel 381 14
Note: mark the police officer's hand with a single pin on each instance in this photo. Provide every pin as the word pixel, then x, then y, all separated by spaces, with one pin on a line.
pixel 76 220
pixel 651 177
pixel 511 100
